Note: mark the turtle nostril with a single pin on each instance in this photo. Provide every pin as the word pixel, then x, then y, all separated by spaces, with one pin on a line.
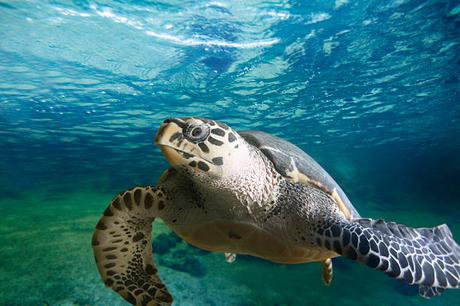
pixel 167 120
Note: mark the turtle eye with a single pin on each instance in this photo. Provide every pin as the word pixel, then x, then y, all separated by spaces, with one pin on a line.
pixel 196 133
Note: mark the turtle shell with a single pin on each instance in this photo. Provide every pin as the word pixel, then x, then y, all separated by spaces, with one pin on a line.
pixel 296 165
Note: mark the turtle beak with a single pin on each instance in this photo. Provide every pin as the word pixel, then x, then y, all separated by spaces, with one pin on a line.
pixel 170 140
pixel 167 140
pixel 167 129
pixel 160 136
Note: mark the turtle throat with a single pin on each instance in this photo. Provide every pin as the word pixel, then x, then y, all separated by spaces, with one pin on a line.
pixel 249 180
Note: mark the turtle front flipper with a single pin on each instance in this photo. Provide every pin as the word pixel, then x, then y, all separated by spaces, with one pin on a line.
pixel 123 249
pixel 428 257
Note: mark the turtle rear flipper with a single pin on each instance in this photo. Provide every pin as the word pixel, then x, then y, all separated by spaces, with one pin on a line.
pixel 123 249
pixel 327 271
pixel 428 257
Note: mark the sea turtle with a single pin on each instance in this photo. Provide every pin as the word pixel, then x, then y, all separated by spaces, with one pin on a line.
pixel 253 193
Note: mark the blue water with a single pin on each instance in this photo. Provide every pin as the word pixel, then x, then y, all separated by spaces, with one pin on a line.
pixel 370 89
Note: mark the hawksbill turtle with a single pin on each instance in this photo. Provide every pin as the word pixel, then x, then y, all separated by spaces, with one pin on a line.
pixel 249 192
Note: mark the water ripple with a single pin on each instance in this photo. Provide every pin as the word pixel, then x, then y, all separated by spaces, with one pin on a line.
pixel 210 43
pixel 326 75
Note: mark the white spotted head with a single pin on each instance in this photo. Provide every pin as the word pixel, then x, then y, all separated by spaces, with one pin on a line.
pixel 202 148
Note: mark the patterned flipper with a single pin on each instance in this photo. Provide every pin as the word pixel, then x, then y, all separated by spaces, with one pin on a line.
pixel 428 257
pixel 123 249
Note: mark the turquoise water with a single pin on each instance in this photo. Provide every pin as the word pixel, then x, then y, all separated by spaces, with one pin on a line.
pixel 370 89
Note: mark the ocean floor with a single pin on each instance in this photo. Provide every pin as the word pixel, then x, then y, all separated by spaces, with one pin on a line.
pixel 47 260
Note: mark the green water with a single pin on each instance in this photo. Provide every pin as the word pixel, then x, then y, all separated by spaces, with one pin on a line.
pixel 47 260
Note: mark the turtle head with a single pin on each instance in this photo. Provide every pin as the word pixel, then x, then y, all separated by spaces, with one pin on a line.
pixel 202 148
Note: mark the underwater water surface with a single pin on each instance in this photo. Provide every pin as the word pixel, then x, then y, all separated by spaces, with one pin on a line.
pixel 370 89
